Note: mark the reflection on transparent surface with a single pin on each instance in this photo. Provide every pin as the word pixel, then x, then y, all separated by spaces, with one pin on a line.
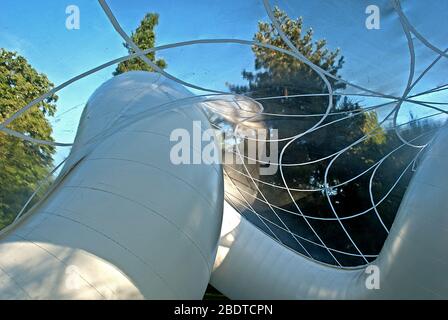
pixel 305 218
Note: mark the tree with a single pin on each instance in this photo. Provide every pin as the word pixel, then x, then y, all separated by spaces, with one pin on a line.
pixel 144 37
pixel 280 75
pixel 22 164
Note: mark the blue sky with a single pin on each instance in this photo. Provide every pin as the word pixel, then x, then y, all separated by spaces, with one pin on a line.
pixel 377 59
pixel 36 29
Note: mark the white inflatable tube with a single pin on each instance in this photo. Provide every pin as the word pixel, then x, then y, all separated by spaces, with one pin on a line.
pixel 122 221
pixel 412 264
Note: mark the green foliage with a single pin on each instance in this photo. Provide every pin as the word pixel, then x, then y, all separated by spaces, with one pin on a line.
pixel 370 125
pixel 22 164
pixel 144 37
pixel 283 76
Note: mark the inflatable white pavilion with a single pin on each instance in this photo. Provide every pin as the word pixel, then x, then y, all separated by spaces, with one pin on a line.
pixel 122 221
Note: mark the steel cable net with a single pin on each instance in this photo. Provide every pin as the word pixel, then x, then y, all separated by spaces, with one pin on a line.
pixel 342 122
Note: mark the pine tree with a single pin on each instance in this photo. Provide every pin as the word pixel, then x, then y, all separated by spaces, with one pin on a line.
pixel 277 74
